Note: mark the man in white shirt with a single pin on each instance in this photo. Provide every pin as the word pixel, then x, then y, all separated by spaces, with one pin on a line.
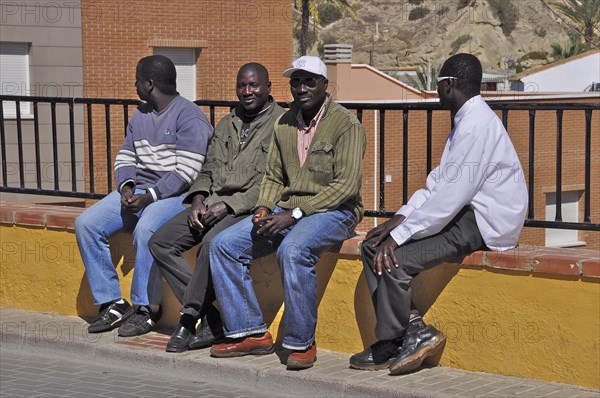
pixel 475 199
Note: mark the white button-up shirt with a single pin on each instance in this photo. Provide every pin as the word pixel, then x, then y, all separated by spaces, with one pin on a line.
pixel 479 167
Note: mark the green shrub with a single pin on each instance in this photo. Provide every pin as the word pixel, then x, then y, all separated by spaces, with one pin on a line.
pixel 463 3
pixel 442 10
pixel 507 13
pixel 417 13
pixel 415 2
pixel 328 14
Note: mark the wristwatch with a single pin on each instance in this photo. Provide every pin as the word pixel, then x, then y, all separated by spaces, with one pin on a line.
pixel 297 213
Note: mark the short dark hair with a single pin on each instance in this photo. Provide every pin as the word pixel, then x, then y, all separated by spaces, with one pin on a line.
pixel 256 67
pixel 467 69
pixel 161 71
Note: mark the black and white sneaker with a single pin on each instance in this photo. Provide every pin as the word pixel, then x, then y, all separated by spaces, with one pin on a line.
pixel 141 322
pixel 421 344
pixel 110 316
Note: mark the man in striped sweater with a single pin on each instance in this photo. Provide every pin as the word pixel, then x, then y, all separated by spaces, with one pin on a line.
pixel 309 201
pixel 162 154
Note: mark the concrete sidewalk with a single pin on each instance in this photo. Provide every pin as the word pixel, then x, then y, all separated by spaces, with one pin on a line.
pixel 331 377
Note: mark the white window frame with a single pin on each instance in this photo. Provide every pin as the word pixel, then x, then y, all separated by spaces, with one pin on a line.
pixel 184 59
pixel 17 54
pixel 570 213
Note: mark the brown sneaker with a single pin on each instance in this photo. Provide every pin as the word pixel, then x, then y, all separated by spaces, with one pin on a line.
pixel 302 359
pixel 261 345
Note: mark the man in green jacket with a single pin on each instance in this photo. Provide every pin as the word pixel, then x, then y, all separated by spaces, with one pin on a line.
pixel 309 201
pixel 224 193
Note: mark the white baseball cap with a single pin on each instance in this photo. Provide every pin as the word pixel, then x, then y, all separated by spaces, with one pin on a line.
pixel 309 64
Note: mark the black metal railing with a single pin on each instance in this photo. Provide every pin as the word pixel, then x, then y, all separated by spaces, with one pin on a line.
pixel 88 110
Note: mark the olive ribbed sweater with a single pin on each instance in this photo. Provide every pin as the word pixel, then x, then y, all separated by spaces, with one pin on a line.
pixel 331 176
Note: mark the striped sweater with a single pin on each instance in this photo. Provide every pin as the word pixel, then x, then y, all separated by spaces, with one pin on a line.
pixel 164 152
pixel 331 176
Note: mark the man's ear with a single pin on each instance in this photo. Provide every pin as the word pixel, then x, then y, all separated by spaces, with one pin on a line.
pixel 449 86
pixel 269 87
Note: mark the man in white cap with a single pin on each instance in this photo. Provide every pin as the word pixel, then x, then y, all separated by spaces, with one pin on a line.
pixel 309 201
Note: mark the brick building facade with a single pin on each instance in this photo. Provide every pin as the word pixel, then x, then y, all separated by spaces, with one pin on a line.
pixel 224 34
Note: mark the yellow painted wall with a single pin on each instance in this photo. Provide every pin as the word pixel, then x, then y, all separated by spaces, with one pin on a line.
pixel 512 323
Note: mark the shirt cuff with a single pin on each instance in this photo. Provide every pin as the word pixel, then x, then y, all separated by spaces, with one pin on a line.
pixel 126 183
pixel 153 193
pixel 400 234
pixel 405 211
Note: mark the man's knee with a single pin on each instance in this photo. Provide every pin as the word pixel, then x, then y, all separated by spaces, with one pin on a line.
pixel 155 244
pixel 288 253
pixel 366 248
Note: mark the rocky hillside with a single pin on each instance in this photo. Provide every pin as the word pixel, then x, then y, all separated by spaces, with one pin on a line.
pixel 388 33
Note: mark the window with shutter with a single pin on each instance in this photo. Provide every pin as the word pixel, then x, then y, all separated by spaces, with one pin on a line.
pixel 185 64
pixel 14 75
pixel 570 213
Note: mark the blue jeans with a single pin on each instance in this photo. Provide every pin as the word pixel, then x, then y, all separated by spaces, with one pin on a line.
pixel 298 250
pixel 105 218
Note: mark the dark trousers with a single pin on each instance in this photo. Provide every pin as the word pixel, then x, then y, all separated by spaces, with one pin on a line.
pixel 391 292
pixel 193 290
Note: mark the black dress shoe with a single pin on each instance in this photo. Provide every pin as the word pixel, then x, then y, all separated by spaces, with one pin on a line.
pixel 422 344
pixel 376 357
pixel 210 331
pixel 180 339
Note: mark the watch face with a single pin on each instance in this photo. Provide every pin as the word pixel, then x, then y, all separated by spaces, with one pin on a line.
pixel 297 213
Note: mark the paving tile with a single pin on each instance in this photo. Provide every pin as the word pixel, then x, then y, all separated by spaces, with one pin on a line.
pixel 82 378
pixel 560 393
pixel 514 390
pixel 588 394
pixel 451 391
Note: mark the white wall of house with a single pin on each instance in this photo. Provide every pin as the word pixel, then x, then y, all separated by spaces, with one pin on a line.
pixel 41 55
pixel 573 76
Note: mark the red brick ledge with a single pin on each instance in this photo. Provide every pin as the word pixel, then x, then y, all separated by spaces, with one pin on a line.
pixel 37 215
pixel 525 258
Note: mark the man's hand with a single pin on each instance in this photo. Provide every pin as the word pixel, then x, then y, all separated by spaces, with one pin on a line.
pixel 382 231
pixel 385 256
pixel 139 202
pixel 270 225
pixel 126 195
pixel 259 215
pixel 214 214
pixel 195 213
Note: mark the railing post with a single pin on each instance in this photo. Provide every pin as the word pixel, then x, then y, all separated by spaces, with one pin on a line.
pixel 3 145
pixel 108 148
pixel 20 145
pixel 588 164
pixel 54 145
pixel 559 115
pixel 530 211
pixel 429 140
pixel 125 118
pixel 90 147
pixel 382 160
pixel 72 145
pixel 405 155
pixel 36 133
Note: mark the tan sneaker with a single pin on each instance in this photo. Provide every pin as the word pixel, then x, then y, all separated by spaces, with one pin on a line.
pixel 261 345
pixel 302 359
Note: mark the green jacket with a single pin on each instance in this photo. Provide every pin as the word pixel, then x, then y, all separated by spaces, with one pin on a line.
pixel 231 175
pixel 331 176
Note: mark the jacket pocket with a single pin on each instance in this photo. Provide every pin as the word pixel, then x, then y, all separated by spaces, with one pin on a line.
pixel 260 159
pixel 320 161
